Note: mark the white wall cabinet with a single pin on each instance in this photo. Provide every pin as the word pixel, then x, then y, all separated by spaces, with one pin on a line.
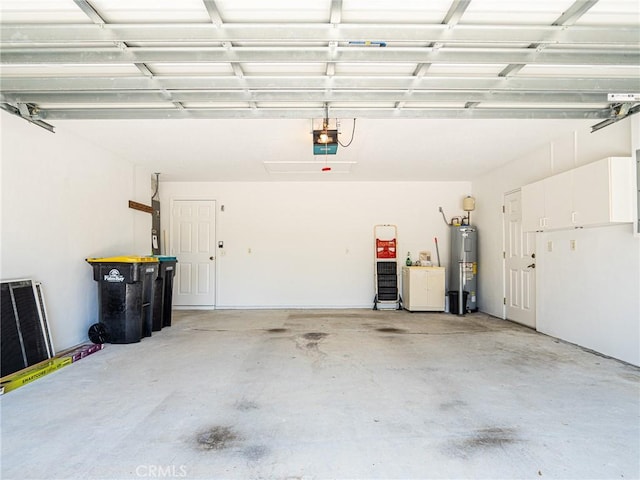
pixel 596 194
pixel 547 204
pixel 423 289
pixel 533 208
pixel 558 201
pixel 604 192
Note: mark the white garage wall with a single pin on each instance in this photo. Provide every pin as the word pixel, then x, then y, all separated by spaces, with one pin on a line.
pixel 312 242
pixel 591 297
pixel 64 200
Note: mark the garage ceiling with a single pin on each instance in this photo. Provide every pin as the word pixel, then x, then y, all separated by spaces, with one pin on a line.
pixel 344 59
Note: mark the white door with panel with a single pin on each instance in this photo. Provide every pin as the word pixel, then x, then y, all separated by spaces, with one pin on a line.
pixel 520 264
pixel 193 242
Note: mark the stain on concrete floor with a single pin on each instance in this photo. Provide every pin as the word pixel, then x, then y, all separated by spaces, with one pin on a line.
pixel 209 330
pixel 277 330
pixel 246 405
pixel 254 453
pixel 490 437
pixel 315 335
pixel 452 405
pixel 334 315
pixel 217 438
pixel 483 439
pixel 391 330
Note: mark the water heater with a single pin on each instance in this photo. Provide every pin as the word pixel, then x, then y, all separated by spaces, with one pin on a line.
pixel 463 269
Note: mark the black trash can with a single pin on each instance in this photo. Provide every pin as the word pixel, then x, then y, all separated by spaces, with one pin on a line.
pixel 454 295
pixel 125 297
pixel 163 292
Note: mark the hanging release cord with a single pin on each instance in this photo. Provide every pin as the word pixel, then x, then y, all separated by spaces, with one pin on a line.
pixel 157 174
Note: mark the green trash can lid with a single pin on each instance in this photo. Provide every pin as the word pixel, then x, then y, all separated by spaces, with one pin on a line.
pixel 165 258
pixel 123 259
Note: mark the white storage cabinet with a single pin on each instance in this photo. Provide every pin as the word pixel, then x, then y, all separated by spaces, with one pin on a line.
pixel 423 289
pixel 596 194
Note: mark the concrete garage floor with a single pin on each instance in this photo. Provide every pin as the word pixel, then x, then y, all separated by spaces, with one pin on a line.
pixel 315 394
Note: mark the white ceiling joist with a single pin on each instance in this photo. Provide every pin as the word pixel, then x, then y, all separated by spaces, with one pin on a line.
pixel 355 83
pixel 336 12
pixel 213 11
pixel 334 95
pixel 320 112
pixel 284 55
pixel 89 11
pixel 455 12
pixel 15 35
pixel 573 13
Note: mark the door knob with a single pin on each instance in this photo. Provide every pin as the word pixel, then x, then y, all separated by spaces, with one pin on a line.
pixel 533 265
pixel 533 255
pixel 212 258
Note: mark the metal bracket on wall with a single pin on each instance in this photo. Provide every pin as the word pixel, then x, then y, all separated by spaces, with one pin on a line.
pixel 29 112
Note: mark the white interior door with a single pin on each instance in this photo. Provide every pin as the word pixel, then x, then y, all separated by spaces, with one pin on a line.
pixel 520 278
pixel 193 242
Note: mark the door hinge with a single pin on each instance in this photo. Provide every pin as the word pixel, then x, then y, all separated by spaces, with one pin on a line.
pixel 504 300
pixel 504 255
pixel 503 209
